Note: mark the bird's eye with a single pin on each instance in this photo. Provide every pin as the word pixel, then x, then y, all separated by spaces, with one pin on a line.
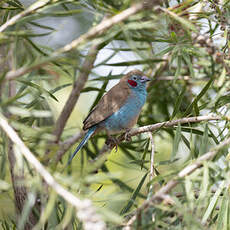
pixel 134 78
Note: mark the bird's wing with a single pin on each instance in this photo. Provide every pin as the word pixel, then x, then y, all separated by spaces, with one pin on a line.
pixel 110 103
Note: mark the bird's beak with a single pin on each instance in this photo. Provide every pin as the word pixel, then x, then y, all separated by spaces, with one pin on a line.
pixel 144 79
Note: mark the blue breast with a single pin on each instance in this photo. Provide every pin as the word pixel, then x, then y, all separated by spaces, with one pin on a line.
pixel 121 119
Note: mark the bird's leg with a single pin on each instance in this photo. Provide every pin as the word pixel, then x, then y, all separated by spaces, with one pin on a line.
pixel 111 142
pixel 127 136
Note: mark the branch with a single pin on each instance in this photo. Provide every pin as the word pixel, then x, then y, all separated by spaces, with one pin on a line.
pixel 11 75
pixel 106 24
pixel 84 207
pixel 75 93
pixel 37 5
pixel 152 169
pixel 162 193
pixel 185 120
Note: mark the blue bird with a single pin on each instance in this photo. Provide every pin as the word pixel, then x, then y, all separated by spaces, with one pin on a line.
pixel 118 110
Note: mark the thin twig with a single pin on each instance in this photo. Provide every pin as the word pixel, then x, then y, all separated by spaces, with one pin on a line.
pixel 152 169
pixel 37 5
pixel 103 26
pixel 85 210
pixel 185 78
pixel 159 195
pixel 184 120
pixel 11 75
pixel 128 225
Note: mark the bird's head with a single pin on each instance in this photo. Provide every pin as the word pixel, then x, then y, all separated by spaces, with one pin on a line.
pixel 135 79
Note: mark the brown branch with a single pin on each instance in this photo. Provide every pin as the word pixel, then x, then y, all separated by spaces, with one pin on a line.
pixel 75 93
pixel 20 190
pixel 16 169
pixel 11 75
pixel 106 24
pixel 160 194
pixel 84 207
pixel 185 120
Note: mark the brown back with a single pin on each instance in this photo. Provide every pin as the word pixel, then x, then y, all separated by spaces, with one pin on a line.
pixel 111 102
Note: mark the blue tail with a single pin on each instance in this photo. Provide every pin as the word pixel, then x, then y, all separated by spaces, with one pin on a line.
pixel 84 140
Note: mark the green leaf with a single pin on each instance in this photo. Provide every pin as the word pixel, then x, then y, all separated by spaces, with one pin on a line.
pixel 213 202
pixel 38 87
pixel 137 62
pixel 204 143
pixel 41 26
pixel 186 141
pixel 61 13
pixel 35 47
pixel 89 89
pixel 187 60
pixel 176 142
pixel 145 152
pixel 121 184
pixel 223 100
pixel 222 220
pixel 178 70
pixel 184 22
pixel 25 33
pixel 60 87
pixel 130 203
pixel 178 103
pixel 198 97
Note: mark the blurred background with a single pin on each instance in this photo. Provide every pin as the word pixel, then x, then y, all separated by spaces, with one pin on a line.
pixel 181 45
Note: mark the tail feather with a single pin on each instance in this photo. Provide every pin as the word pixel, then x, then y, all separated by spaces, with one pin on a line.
pixel 84 140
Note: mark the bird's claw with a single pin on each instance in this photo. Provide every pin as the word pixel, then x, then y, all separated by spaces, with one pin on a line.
pixel 112 142
pixel 127 136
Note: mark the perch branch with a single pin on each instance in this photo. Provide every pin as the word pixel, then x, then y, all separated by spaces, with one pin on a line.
pixel 143 129
pixel 184 120
pixel 84 207
pixel 151 128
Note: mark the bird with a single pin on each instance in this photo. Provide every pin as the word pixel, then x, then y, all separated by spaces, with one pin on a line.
pixel 118 110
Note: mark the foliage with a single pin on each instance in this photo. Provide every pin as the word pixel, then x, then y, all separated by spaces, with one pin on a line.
pixel 183 46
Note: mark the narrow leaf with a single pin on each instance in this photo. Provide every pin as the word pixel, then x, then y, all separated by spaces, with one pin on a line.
pixel 176 142
pixel 134 196
pixel 198 97
pixel 212 203
pixel 178 103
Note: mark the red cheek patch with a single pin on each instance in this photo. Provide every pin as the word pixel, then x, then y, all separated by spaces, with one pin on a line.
pixel 132 83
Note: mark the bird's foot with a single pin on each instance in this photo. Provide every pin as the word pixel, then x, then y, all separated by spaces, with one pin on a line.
pixel 127 136
pixel 112 142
